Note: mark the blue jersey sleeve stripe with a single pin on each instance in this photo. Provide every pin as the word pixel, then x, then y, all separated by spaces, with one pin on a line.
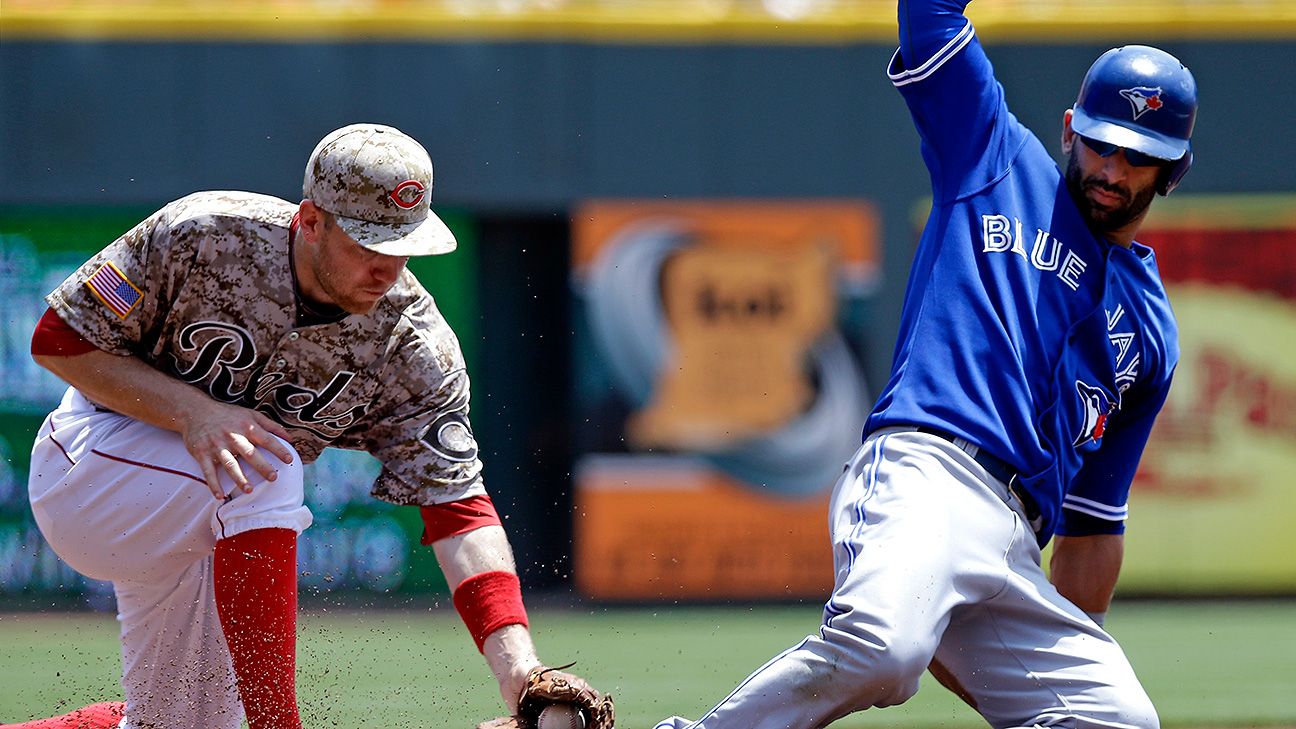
pixel 1095 509
pixel 956 44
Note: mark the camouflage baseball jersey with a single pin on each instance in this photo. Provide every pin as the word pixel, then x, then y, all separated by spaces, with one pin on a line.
pixel 203 291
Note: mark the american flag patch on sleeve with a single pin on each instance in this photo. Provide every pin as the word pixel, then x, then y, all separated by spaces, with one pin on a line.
pixel 114 289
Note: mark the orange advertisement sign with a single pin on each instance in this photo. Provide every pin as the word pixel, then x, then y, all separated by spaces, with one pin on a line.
pixel 654 529
pixel 719 397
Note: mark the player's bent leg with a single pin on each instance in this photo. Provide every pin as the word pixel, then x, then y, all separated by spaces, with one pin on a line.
pixel 1029 658
pixel 256 593
pixel 118 499
pixel 124 501
pixel 1079 696
pixel 256 596
pixel 893 515
pixel 814 683
pixel 113 499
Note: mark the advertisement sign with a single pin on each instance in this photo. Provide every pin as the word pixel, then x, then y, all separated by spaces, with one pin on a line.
pixel 718 390
pixel 1212 506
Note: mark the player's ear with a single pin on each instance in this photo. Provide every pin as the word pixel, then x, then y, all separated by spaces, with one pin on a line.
pixel 1068 135
pixel 309 219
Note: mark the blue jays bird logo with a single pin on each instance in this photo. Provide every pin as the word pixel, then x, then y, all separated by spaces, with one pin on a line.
pixel 1097 407
pixel 1143 99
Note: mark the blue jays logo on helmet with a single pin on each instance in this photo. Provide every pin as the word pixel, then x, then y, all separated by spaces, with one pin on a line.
pixel 1143 99
pixel 1098 406
pixel 1143 80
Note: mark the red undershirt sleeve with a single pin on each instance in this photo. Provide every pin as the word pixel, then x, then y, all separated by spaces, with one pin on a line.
pixel 53 337
pixel 456 517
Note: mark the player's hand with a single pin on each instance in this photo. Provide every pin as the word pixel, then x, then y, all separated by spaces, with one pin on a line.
pixel 544 686
pixel 224 437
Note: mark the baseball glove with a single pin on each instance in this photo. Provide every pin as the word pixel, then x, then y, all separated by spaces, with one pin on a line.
pixel 546 686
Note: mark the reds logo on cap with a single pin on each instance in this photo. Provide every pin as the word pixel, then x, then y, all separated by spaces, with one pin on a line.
pixel 1143 99
pixel 408 194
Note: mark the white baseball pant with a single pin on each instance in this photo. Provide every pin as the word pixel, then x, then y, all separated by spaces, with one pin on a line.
pixel 934 558
pixel 121 500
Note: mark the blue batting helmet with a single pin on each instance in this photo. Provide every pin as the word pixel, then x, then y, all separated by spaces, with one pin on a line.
pixel 1140 98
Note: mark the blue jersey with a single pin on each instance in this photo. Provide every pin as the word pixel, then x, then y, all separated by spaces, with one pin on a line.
pixel 1022 331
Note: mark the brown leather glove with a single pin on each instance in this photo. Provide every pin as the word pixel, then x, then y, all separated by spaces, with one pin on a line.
pixel 546 686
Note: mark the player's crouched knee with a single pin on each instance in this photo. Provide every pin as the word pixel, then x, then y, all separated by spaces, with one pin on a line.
pixel 879 676
pixel 1138 711
pixel 277 504
pixel 1133 710
pixel 897 677
pixel 1127 705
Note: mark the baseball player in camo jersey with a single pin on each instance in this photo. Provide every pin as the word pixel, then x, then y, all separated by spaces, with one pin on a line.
pixel 212 350
pixel 1036 347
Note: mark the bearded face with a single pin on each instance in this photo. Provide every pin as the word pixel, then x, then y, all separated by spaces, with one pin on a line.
pixel 1108 205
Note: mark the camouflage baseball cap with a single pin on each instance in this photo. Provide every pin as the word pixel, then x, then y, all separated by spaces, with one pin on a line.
pixel 377 182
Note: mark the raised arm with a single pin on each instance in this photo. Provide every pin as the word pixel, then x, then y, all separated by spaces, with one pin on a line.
pixel 926 26
pixel 958 108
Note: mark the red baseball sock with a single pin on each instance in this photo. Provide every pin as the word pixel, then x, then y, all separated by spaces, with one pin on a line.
pixel 106 715
pixel 256 597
